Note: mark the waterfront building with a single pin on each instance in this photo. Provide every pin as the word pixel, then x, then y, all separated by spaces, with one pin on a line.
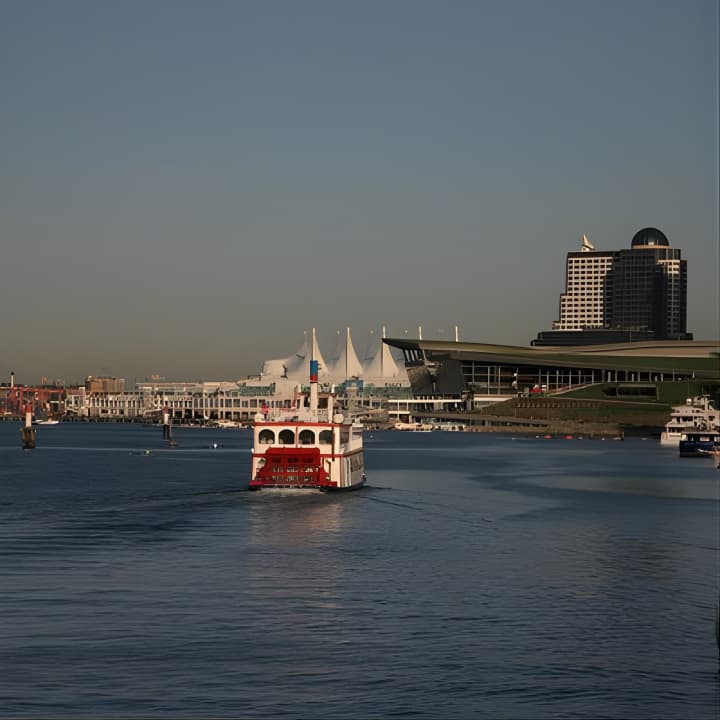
pixel 379 370
pixel 362 388
pixel 631 370
pixel 225 402
pixel 46 400
pixel 104 384
pixel 192 402
pixel 630 295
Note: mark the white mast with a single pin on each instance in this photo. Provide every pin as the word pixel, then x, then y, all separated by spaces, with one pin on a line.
pixel 382 354
pixel 347 353
pixel 313 376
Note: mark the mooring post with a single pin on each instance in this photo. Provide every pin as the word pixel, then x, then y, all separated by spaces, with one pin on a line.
pixel 28 431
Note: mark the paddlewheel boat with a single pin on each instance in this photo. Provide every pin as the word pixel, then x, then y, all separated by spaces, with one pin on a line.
pixel 306 447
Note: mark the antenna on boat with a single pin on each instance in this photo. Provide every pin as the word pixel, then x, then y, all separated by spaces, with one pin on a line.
pixel 313 376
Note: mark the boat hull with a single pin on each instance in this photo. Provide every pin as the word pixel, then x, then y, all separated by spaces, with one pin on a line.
pixel 302 489
pixel 308 468
pixel 691 448
pixel 699 444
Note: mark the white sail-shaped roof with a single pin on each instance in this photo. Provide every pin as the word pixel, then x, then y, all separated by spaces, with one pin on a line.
pixel 297 366
pixel 382 364
pixel 274 368
pixel 346 364
pixel 378 364
pixel 317 355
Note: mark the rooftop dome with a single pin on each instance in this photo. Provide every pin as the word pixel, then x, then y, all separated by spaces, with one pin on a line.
pixel 649 237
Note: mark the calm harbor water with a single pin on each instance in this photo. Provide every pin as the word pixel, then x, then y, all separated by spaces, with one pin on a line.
pixel 478 576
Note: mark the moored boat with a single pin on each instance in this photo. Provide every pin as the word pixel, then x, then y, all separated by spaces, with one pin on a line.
pixel 699 444
pixel 413 426
pixel 307 447
pixel 696 414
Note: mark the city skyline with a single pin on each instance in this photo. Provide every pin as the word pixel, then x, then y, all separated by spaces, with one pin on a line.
pixel 188 186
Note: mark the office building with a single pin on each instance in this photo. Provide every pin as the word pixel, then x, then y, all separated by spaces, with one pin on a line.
pixel 587 296
pixel 638 294
pixel 649 288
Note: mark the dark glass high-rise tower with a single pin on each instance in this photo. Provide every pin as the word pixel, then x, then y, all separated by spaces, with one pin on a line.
pixel 649 288
pixel 622 295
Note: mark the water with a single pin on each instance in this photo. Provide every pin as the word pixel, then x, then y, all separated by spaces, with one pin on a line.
pixel 477 576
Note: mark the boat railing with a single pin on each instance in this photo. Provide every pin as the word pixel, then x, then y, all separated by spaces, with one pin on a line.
pixel 295 415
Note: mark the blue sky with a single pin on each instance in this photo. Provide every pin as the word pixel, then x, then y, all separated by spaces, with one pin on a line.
pixel 186 186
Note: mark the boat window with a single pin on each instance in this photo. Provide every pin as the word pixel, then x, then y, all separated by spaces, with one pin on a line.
pixel 307 437
pixel 326 437
pixel 266 437
pixel 287 437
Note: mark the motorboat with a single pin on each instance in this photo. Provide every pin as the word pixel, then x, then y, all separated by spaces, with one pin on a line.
pixel 697 413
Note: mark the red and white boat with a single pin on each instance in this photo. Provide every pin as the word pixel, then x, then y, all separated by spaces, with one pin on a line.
pixel 307 447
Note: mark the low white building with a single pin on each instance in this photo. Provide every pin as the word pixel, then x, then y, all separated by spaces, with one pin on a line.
pixel 364 385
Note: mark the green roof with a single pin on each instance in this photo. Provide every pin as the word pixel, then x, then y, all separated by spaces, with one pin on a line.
pixel 699 358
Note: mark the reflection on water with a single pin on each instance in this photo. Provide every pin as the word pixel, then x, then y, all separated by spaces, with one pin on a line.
pixel 288 519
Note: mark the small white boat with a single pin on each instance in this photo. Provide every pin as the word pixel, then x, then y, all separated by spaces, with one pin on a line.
pixel 228 424
pixel 413 426
pixel 450 427
pixel 48 421
pixel 714 454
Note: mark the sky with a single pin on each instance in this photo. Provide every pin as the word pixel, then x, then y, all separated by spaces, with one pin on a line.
pixel 188 185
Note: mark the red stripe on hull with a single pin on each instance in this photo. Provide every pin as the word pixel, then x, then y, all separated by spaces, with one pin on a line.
pixel 292 467
pixel 297 468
